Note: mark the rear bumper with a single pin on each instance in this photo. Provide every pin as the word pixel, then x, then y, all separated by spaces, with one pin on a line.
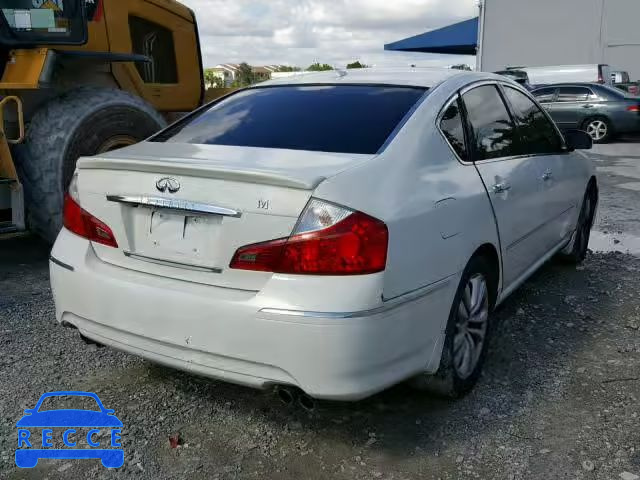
pixel 226 334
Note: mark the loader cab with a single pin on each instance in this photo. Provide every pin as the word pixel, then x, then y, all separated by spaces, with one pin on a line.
pixel 43 22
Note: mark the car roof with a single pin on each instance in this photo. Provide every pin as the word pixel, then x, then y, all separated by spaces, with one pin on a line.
pixel 406 76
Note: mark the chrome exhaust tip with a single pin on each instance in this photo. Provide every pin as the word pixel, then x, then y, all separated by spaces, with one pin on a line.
pixel 287 395
pixel 88 341
pixel 306 402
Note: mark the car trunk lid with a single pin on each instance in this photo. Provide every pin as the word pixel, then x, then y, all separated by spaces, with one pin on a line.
pixel 181 211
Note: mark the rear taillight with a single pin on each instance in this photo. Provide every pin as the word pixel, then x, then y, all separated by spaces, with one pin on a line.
pixel 633 108
pixel 82 223
pixel 328 240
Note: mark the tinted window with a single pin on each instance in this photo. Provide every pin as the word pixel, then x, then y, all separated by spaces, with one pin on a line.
pixel 453 128
pixel 156 42
pixel 545 95
pixel 537 133
pixel 493 131
pixel 326 118
pixel 573 94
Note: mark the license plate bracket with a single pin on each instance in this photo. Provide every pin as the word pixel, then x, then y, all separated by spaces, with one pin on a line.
pixel 179 237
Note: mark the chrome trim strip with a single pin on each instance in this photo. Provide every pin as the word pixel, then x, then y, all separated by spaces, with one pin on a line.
pixel 170 263
pixel 389 304
pixel 53 259
pixel 174 204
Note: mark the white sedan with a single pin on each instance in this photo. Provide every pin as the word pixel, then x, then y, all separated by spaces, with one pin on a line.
pixel 336 233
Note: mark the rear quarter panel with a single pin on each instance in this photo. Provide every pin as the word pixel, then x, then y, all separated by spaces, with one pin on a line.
pixel 623 120
pixel 437 209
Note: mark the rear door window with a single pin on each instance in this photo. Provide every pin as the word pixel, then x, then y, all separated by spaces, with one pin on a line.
pixel 354 119
pixel 537 133
pixel 545 95
pixel 452 127
pixel 494 134
pixel 573 94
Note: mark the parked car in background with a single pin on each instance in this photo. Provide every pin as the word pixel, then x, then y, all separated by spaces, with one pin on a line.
pixel 517 76
pixel 568 73
pixel 622 81
pixel 332 233
pixel 600 110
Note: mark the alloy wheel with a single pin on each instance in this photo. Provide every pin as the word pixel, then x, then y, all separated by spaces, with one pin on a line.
pixel 597 130
pixel 471 326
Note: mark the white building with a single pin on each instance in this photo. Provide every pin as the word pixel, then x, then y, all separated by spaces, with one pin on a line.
pixel 229 71
pixel 560 32
pixel 513 33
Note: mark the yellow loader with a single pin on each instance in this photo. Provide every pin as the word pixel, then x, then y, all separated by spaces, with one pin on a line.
pixel 82 77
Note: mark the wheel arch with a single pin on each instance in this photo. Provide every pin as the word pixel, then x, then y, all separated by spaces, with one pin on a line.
pixel 489 252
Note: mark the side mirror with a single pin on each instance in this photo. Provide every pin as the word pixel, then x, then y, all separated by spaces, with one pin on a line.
pixel 578 140
pixel 29 411
pixel 109 411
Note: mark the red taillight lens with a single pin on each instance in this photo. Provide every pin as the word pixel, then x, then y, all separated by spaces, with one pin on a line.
pixel 82 223
pixel 355 245
pixel 634 108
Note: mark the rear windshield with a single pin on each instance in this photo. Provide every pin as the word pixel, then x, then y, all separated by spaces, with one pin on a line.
pixel 325 118
pixel 616 93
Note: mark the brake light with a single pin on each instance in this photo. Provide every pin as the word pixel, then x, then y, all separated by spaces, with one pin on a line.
pixel 328 240
pixel 634 108
pixel 82 223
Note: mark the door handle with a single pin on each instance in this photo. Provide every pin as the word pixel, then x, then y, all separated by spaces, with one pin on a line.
pixel 587 106
pixel 548 175
pixel 501 187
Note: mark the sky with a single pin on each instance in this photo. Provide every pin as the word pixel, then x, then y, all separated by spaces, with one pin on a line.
pixel 301 32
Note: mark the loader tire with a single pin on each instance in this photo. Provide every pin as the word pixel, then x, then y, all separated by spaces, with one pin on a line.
pixel 82 122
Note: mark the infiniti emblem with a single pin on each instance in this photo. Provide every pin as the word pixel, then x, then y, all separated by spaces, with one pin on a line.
pixel 168 184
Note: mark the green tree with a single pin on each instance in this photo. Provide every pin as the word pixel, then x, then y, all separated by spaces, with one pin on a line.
pixel 356 64
pixel 244 75
pixel 287 68
pixel 212 79
pixel 319 67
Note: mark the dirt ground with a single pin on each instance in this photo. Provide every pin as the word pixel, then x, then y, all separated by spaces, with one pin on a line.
pixel 559 398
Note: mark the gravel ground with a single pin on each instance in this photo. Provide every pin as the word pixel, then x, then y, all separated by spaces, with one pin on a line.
pixel 559 398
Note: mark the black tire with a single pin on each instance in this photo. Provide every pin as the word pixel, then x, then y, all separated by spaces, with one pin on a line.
pixel 609 127
pixel 79 123
pixel 448 382
pixel 577 250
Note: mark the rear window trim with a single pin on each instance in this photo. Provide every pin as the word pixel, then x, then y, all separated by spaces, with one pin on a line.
pixel 199 111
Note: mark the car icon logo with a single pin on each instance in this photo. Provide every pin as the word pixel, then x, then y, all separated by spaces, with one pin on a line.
pixel 81 433
pixel 168 184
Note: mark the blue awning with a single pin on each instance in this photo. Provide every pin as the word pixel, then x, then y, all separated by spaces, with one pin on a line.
pixel 457 39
